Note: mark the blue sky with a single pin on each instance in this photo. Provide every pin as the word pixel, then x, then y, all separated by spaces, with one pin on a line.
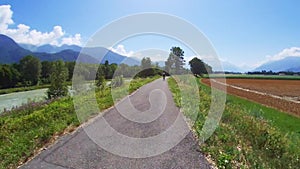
pixel 245 33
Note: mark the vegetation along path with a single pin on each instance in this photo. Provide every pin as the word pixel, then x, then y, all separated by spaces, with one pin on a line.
pixel 78 151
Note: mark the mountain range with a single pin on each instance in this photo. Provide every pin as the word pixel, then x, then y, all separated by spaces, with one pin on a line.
pixel 229 67
pixel 291 63
pixel 12 52
pixel 50 48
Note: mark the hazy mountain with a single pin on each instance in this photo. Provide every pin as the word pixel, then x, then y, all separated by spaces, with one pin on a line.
pixel 229 67
pixel 295 69
pixel 50 48
pixel 103 54
pixel 11 52
pixel 65 55
pixel 291 63
pixel 28 47
pixel 55 49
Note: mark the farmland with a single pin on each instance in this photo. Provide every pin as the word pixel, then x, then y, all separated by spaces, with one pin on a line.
pixel 279 94
pixel 254 76
pixel 249 134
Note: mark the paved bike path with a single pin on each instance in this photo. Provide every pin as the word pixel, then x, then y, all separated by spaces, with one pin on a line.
pixel 79 151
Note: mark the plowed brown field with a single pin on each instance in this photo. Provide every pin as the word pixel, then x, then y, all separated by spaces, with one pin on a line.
pixel 280 94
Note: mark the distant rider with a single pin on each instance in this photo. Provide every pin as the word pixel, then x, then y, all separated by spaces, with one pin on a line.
pixel 164 75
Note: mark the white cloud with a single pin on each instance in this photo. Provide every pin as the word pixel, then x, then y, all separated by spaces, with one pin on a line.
pixel 5 17
pixel 72 40
pixel 24 34
pixel 121 50
pixel 292 51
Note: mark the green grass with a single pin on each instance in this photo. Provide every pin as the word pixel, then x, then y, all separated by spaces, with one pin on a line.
pixel 246 76
pixel 137 82
pixel 25 130
pixel 249 135
pixel 283 121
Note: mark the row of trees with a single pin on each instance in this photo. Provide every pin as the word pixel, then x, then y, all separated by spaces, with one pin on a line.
pixel 31 71
pixel 175 64
pixel 270 72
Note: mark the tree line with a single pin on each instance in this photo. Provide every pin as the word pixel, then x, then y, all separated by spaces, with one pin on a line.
pixel 175 64
pixel 30 71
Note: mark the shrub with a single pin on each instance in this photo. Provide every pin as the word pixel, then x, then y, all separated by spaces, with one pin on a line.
pixel 101 82
pixel 117 81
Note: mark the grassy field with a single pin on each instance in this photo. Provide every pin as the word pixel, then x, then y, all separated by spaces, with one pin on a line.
pixel 249 135
pixel 25 130
pixel 246 76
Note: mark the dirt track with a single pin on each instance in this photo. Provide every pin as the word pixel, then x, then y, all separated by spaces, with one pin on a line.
pixel 287 91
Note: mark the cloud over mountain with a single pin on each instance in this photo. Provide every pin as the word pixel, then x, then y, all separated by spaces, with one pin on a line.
pixel 25 34
pixel 287 52
pixel 120 49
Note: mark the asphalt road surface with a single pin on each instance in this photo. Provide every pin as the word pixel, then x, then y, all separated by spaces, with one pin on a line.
pixel 95 145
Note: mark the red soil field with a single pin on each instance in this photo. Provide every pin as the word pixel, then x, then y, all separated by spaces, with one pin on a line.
pixel 280 94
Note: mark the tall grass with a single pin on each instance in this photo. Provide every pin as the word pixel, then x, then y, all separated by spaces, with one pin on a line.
pixel 245 137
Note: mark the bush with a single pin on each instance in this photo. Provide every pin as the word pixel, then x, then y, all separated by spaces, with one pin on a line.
pixel 101 82
pixel 117 81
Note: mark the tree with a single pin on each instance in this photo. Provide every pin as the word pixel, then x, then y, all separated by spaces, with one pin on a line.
pixel 46 71
pixel 146 68
pixel 198 67
pixel 9 76
pixel 175 61
pixel 30 68
pixel 70 66
pixel 112 68
pixel 100 79
pixel 101 82
pixel 58 79
pixel 146 63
